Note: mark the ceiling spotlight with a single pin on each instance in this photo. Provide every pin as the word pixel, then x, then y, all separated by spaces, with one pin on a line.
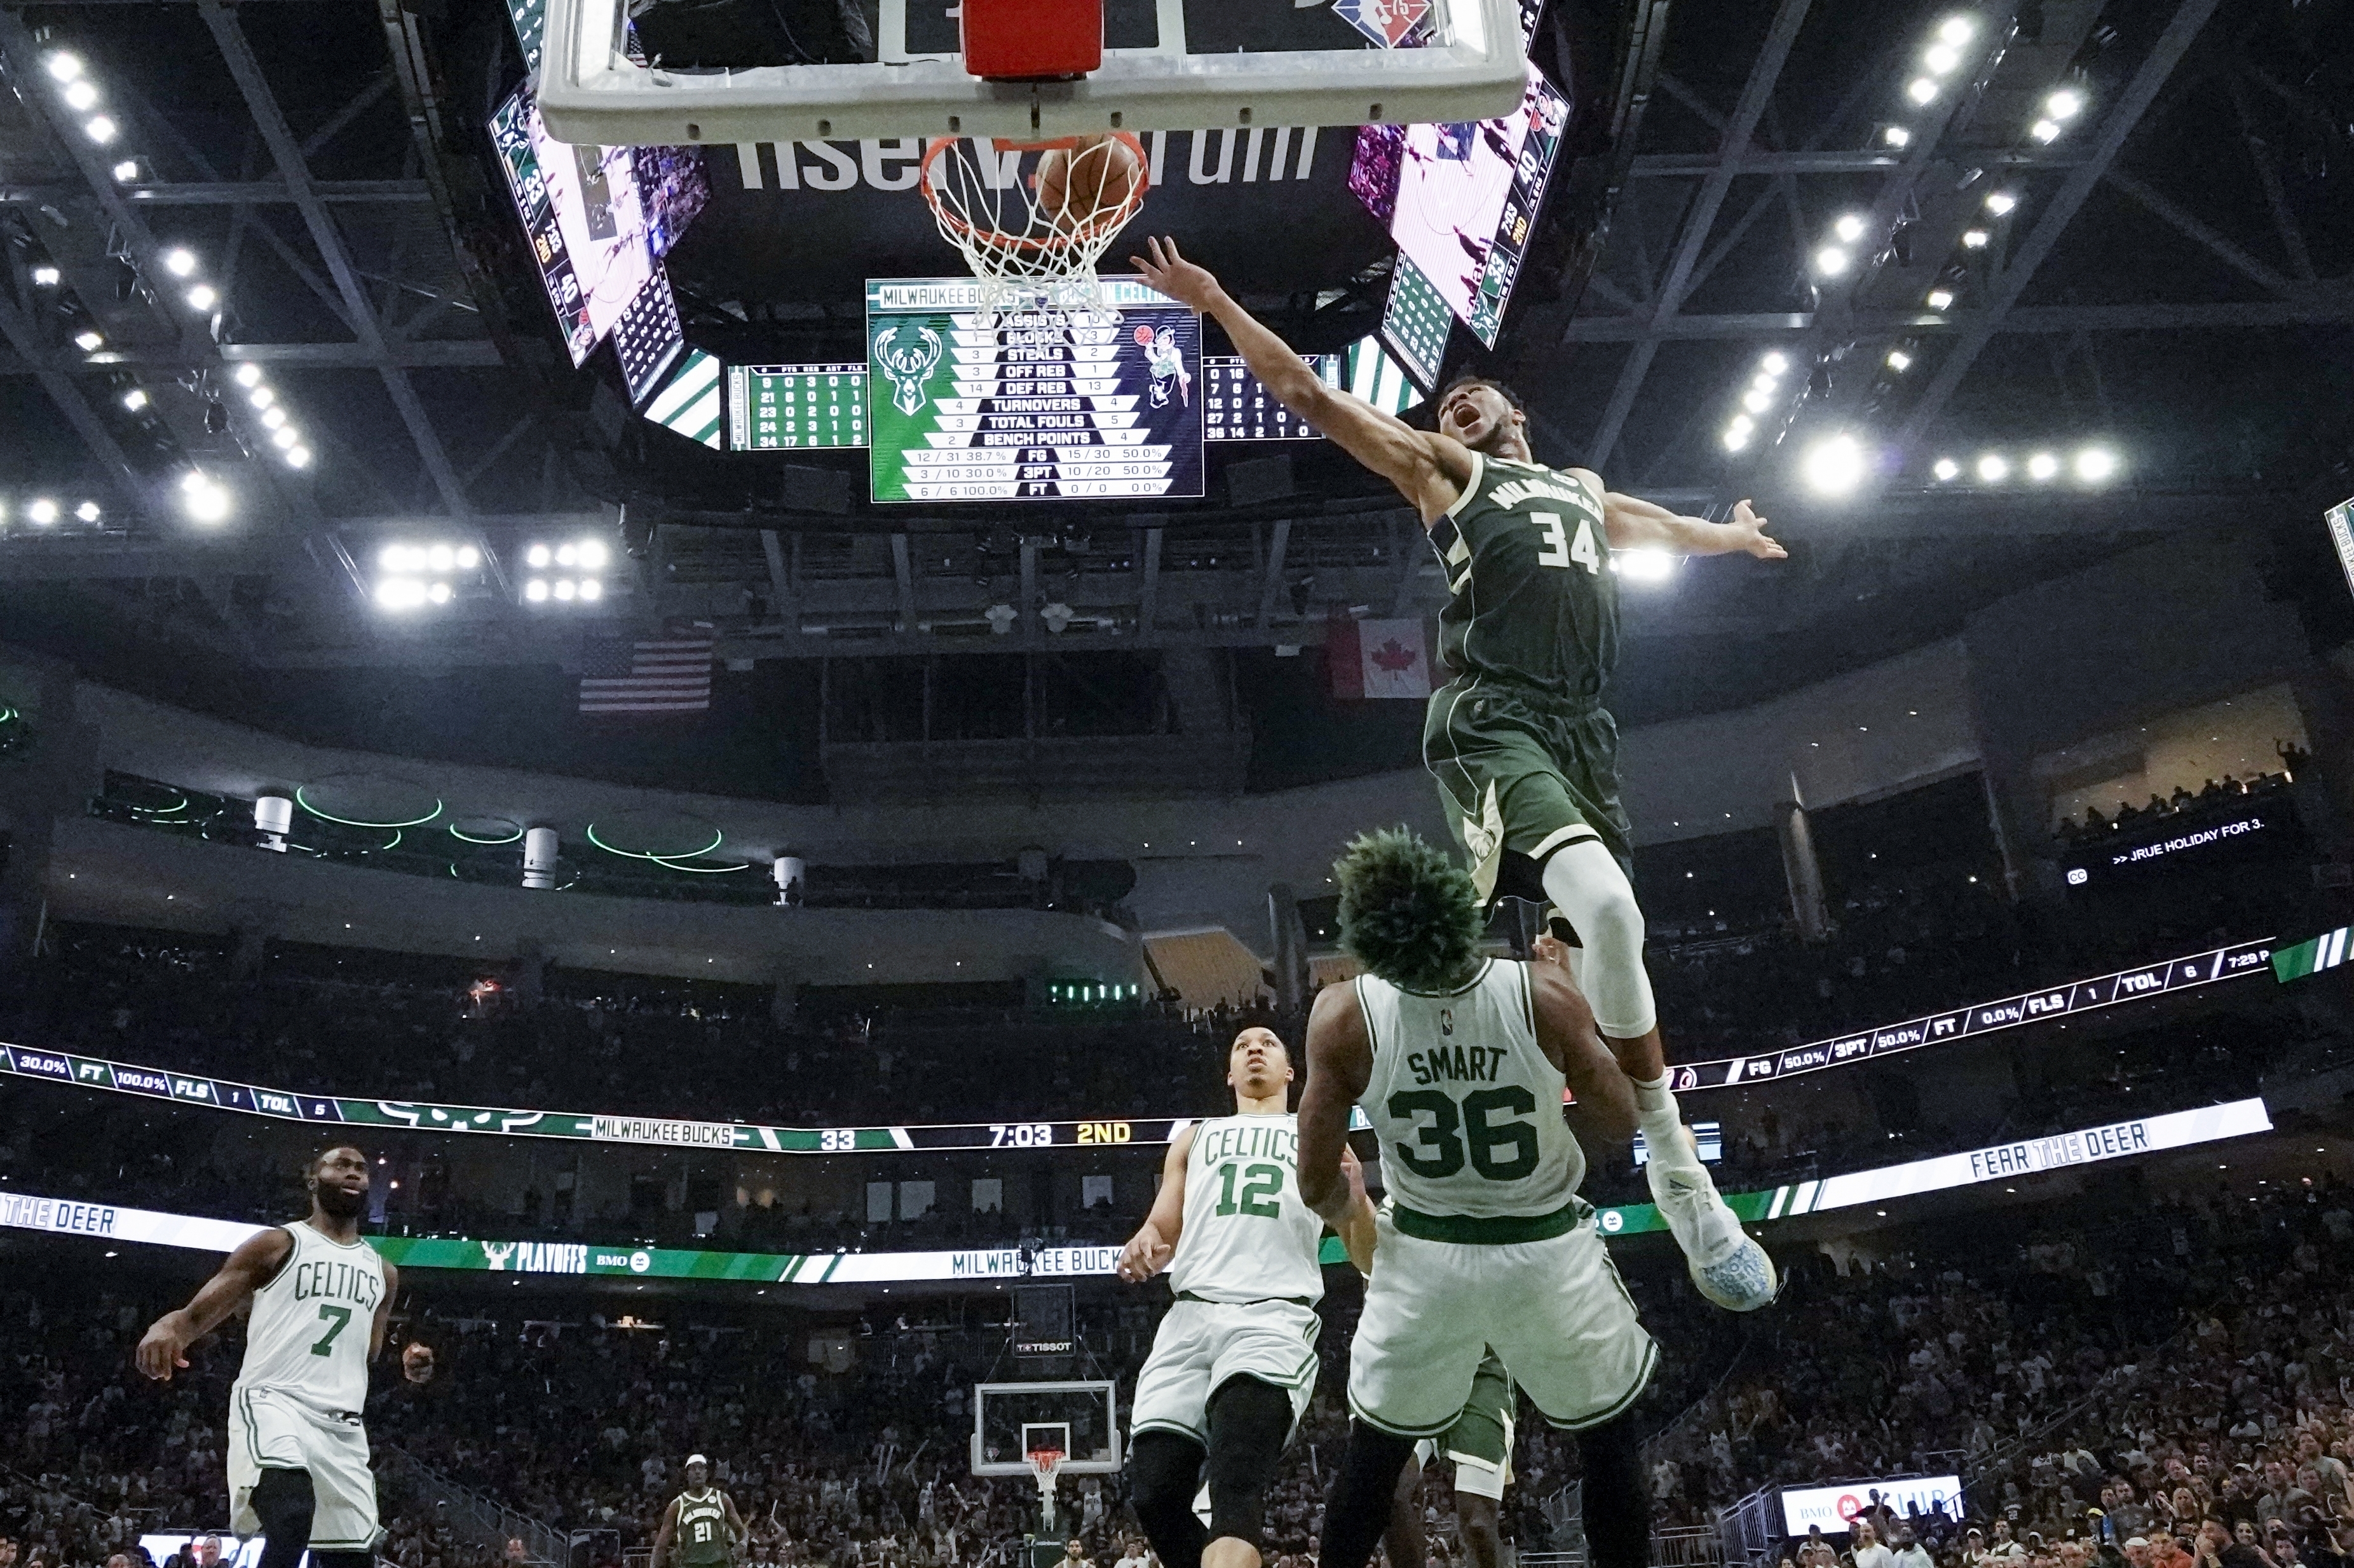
pixel 1735 437
pixel 126 171
pixel 179 262
pixel 1899 360
pixel 1941 298
pixel 1895 136
pixel 299 457
pixel 439 593
pixel 89 342
pixel 1921 90
pixel 2042 466
pixel 1831 260
pixel 1773 364
pixel 440 557
pixel 135 400
pixel 566 555
pixel 393 557
pixel 593 590
pixel 98 128
pixel 43 511
pixel 400 593
pixel 1941 58
pixel 64 65
pixel 201 298
pixel 261 397
pixel 1643 565
pixel 2064 104
pixel 1757 401
pixel 81 95
pixel 1764 382
pixel 2094 464
pixel 538 555
pixel 1850 227
pixel 248 374
pixel 272 418
pixel 1993 469
pixel 1833 465
pixel 565 588
pixel 593 554
pixel 1945 469
pixel 206 501
pixel 2045 130
pixel 88 511
pixel 1957 30
pixel 1975 238
pixel 468 558
pixel 45 277
pixel 2000 202
pixel 535 590
pixel 284 437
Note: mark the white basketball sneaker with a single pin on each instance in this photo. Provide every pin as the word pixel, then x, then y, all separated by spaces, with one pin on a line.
pixel 1727 1266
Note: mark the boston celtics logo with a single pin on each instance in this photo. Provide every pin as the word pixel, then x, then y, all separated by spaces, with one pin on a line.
pixel 908 364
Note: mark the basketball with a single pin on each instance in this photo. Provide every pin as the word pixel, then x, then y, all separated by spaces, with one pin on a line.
pixel 1095 175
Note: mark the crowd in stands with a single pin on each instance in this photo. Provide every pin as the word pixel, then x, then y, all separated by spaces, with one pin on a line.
pixel 2181 801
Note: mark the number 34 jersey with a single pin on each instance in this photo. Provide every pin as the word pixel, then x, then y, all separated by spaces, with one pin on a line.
pixel 309 1334
pixel 1464 1101
pixel 1246 1236
pixel 1532 599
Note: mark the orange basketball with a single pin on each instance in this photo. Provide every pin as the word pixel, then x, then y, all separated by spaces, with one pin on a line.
pixel 1093 179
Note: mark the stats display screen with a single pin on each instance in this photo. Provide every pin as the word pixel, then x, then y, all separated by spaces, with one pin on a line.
pixel 788 407
pixel 1235 407
pixel 580 207
pixel 1037 404
pixel 649 339
pixel 1415 324
pixel 2340 519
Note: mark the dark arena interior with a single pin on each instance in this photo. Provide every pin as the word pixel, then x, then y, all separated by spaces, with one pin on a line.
pixel 731 746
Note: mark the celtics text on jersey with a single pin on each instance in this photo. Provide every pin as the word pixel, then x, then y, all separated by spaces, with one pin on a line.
pixel 1532 599
pixel 1466 1103
pixel 312 1322
pixel 1246 1236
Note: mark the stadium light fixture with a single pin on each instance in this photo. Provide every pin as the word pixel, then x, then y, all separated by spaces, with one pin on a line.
pixel 468 558
pixel 46 277
pixel 2045 130
pixel 135 400
pixel 42 512
pixel 272 418
pixel 1850 227
pixel 88 511
pixel 64 65
pixel 2000 202
pixel 535 590
pixel 1644 565
pixel 1957 30
pixel 98 128
pixel 1757 401
pixel 284 437
pixel 2064 104
pixel 1831 260
pixel 1895 136
pixel 400 593
pixel 1994 468
pixel 1945 469
pixel 261 397
pixel 565 588
pixel 126 171
pixel 180 261
pixel 1898 360
pixel 1975 238
pixel 1922 90
pixel 1775 363
pixel 298 457
pixel 1941 298
pixel 591 590
pixel 205 498
pixel 1764 381
pixel 248 374
pixel 2096 465
pixel 81 95
pixel 1833 465
pixel 89 342
pixel 1941 57
pixel 439 593
pixel 1736 434
pixel 538 555
pixel 2041 467
pixel 202 297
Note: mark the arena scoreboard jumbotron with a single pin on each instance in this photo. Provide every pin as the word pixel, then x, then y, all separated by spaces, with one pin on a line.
pixel 787 408
pixel 1031 404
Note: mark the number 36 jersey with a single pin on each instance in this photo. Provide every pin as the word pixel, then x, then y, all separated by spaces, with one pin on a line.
pixel 1466 1103
pixel 1532 599
pixel 1246 1236
pixel 308 1338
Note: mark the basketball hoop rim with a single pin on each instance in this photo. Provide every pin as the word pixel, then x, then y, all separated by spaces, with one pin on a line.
pixel 1088 230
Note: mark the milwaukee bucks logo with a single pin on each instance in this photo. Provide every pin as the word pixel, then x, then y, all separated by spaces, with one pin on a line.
pixel 908 364
pixel 495 1253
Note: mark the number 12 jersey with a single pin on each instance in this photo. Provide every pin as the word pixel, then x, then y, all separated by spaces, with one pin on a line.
pixel 1246 1236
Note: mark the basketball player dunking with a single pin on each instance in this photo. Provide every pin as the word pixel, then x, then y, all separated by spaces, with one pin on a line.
pixel 1234 1361
pixel 700 1522
pixel 298 1458
pixel 1525 757
pixel 1484 1247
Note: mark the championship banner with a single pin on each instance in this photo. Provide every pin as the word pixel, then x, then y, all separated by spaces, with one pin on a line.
pixel 2065 1001
pixel 2003 1161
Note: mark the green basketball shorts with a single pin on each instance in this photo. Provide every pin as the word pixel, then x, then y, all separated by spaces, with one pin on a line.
pixel 1521 775
pixel 1479 1444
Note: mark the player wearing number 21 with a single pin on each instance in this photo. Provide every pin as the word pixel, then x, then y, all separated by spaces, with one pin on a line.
pixel 1234 1361
pixel 701 1529
pixel 1525 755
pixel 321 1298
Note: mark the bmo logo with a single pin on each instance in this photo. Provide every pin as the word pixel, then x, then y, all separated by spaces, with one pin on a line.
pixel 1834 1508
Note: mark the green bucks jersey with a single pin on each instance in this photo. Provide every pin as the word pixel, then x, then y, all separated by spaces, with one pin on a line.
pixel 702 1527
pixel 1533 601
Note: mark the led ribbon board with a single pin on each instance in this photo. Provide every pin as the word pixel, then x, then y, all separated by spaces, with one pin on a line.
pixel 1998 1163
pixel 1871 1045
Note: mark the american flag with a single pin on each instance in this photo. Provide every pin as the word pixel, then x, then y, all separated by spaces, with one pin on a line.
pixel 671 674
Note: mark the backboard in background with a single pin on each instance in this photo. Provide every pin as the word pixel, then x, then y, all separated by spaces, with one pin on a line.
pixel 1170 64
pixel 1011 1419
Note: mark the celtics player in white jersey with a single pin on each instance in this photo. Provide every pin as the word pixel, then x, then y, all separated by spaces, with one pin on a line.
pixel 701 1523
pixel 1234 1361
pixel 1524 756
pixel 1483 1246
pixel 320 1299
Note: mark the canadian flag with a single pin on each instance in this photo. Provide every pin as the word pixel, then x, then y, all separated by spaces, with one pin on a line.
pixel 1378 659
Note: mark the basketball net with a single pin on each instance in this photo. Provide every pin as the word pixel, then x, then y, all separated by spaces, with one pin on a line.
pixel 1025 255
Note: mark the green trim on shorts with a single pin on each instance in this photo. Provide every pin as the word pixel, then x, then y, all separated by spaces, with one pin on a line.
pixel 1361 1413
pixel 1642 1381
pixel 1179 1427
pixel 1497 1230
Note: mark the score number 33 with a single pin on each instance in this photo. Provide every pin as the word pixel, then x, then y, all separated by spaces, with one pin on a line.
pixel 1560 550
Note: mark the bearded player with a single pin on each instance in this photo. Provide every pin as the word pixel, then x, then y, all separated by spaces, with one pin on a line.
pixel 1525 757
pixel 1234 1361
pixel 321 1298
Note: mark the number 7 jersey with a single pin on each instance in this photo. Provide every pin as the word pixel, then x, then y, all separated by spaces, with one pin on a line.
pixel 1246 1236
pixel 1532 598
pixel 308 1336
